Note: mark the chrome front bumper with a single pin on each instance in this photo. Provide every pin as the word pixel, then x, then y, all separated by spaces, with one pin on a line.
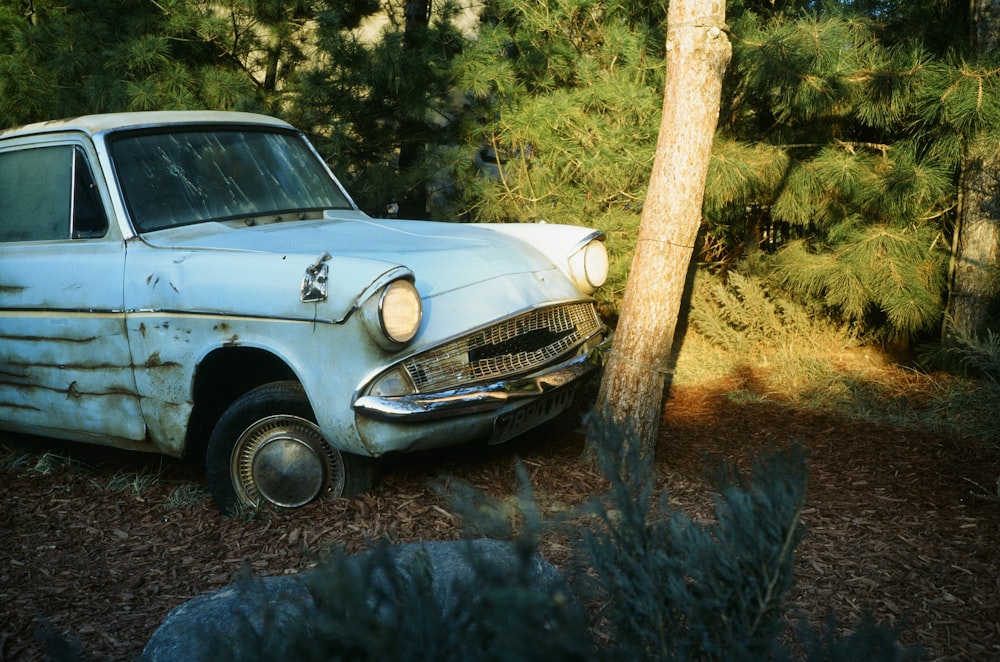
pixel 482 397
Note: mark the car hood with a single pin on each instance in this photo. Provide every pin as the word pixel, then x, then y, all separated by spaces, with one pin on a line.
pixel 467 274
pixel 443 256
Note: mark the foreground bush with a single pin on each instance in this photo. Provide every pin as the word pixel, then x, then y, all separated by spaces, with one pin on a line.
pixel 676 589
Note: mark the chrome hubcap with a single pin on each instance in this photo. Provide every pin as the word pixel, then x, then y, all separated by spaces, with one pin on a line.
pixel 284 461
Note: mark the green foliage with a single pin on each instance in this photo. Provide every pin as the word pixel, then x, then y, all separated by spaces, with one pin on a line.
pixel 743 327
pixel 565 100
pixel 501 616
pixel 13 460
pixel 59 60
pixel 749 334
pixel 799 64
pixel 367 102
pixel 740 174
pixel 186 495
pixel 676 589
pixel 368 607
pixel 874 271
pixel 738 314
pixel 868 641
pixel 50 463
pixel 134 483
pixel 862 127
pixel 482 516
pixel 842 127
pixel 977 355
pixel 962 96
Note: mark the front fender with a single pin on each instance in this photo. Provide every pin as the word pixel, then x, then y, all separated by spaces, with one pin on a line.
pixel 249 284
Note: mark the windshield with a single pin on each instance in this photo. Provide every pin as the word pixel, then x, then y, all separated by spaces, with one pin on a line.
pixel 190 176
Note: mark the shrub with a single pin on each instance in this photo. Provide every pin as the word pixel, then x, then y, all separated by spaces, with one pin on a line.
pixel 674 589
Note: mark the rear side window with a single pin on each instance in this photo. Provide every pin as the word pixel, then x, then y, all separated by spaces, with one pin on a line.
pixel 48 193
pixel 36 193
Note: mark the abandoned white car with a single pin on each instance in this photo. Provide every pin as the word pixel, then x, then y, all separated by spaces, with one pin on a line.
pixel 199 282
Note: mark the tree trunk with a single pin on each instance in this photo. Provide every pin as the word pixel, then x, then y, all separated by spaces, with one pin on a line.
pixel 976 250
pixel 632 389
pixel 976 247
pixel 413 204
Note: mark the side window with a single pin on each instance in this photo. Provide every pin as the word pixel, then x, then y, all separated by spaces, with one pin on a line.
pixel 35 193
pixel 89 219
pixel 48 193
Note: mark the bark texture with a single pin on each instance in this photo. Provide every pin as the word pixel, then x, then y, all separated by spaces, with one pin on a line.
pixel 976 252
pixel 698 51
pixel 976 249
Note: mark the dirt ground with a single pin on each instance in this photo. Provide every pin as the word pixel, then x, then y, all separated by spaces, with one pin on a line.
pixel 898 523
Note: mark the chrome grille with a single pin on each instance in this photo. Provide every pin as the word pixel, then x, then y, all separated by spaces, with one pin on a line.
pixel 514 346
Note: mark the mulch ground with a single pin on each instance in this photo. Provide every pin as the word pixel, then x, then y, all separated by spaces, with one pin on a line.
pixel 898 525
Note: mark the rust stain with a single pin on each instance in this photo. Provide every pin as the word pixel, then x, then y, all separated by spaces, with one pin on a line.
pixel 154 361
pixel 73 392
pixel 42 339
pixel 10 405
pixel 72 389
pixel 232 341
pixel 27 366
pixel 118 391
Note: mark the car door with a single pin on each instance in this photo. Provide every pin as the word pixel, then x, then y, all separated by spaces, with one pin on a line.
pixel 65 366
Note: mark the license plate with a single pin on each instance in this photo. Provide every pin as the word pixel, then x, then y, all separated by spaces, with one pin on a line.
pixel 510 425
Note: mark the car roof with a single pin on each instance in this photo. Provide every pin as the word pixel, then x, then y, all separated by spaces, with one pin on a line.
pixel 95 124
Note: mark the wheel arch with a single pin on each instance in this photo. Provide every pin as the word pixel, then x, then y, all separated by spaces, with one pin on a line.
pixel 222 376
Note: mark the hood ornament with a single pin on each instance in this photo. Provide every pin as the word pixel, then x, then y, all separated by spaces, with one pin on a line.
pixel 314 283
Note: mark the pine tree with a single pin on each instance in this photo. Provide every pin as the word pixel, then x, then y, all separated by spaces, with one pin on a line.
pixel 842 126
pixel 828 135
pixel 59 60
pixel 372 103
pixel 565 100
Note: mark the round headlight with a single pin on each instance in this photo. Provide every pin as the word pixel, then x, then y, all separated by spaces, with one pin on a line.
pixel 400 311
pixel 595 263
pixel 588 265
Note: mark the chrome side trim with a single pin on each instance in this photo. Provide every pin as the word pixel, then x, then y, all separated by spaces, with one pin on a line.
pixel 483 397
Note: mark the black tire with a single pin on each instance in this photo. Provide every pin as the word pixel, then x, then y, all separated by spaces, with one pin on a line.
pixel 267 451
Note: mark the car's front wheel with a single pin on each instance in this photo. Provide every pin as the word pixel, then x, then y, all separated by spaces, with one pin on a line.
pixel 266 450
